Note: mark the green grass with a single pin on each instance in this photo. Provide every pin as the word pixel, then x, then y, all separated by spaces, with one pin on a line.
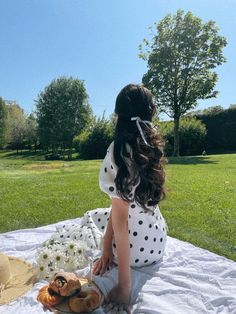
pixel 200 206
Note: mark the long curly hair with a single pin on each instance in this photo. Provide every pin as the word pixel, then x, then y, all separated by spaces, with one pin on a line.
pixel 138 164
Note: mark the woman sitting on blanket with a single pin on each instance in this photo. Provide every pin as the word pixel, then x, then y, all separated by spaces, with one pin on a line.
pixel 132 175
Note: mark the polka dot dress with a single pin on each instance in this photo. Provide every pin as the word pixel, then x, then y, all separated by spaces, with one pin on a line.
pixel 147 230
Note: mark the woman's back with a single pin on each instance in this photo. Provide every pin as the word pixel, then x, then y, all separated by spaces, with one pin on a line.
pixel 147 227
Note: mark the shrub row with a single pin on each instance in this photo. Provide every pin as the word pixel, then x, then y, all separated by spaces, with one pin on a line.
pixel 221 129
pixel 192 134
pixel 92 143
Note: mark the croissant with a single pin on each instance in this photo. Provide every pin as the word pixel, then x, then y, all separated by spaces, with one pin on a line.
pixel 88 299
pixel 65 284
pixel 48 297
pixel 83 296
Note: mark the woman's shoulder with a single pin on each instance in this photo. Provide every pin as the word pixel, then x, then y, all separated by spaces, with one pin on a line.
pixel 110 147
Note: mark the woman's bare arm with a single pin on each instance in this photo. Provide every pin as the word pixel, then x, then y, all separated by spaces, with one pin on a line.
pixel 108 236
pixel 119 215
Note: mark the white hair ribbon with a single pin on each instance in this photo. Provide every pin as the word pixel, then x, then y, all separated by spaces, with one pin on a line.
pixel 138 120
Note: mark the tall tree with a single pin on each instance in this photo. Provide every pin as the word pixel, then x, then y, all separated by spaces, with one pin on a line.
pixel 31 131
pixel 180 58
pixel 62 112
pixel 2 122
pixel 15 125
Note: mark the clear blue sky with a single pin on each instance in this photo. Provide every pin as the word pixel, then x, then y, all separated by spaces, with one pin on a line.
pixel 96 41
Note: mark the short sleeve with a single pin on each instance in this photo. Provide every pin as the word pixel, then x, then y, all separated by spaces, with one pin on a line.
pixel 108 173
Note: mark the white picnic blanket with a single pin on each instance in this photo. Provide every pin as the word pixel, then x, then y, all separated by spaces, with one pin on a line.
pixel 188 280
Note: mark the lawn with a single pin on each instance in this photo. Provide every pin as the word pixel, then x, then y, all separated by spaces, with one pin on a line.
pixel 200 206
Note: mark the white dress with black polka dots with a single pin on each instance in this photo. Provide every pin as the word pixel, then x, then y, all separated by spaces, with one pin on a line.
pixel 147 230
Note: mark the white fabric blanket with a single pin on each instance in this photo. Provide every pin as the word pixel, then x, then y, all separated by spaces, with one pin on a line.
pixel 188 280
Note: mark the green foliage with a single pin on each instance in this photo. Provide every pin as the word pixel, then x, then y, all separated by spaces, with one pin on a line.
pixel 31 131
pixel 62 112
pixel 93 143
pixel 192 136
pixel 15 124
pixel 3 115
pixel 221 128
pixel 20 130
pixel 181 57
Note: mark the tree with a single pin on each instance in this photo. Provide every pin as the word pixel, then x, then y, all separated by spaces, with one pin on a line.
pixel 62 112
pixel 180 58
pixel 2 122
pixel 31 131
pixel 92 143
pixel 15 125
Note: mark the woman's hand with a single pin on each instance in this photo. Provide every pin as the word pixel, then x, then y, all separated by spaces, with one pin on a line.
pixel 104 262
pixel 118 299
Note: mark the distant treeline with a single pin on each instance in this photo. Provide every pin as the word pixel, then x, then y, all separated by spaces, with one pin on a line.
pixel 64 123
pixel 221 128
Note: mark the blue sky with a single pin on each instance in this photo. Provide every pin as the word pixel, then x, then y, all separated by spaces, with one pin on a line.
pixel 96 41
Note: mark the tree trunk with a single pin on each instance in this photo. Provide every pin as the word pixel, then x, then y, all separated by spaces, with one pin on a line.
pixel 63 151
pixel 176 137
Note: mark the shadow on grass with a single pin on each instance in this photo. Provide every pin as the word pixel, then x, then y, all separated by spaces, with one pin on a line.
pixel 191 160
pixel 31 155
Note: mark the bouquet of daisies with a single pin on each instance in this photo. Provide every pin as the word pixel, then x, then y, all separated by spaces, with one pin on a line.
pixel 64 251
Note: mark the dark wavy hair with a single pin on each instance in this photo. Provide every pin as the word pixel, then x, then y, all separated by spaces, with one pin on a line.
pixel 143 166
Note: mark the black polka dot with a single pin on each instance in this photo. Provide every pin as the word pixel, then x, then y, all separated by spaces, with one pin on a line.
pixel 156 227
pixel 154 262
pixel 131 245
pixel 81 236
pixel 151 252
pixel 154 239
pixel 140 222
pixel 161 239
pixel 111 188
pixel 105 169
pixel 146 261
pixel 146 238
pixel 142 249
pixel 107 219
pixel 96 213
pixel 105 213
pixel 102 227
pixel 159 252
pixel 163 229
pixel 99 219
pixel 133 206
pixel 135 233
pixel 61 236
pixel 111 167
pixel 137 260
pixel 150 226
pixel 114 245
pixel 129 231
pixel 129 216
pixel 141 212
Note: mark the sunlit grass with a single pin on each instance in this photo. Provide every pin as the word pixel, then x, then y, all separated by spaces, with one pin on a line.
pixel 200 206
